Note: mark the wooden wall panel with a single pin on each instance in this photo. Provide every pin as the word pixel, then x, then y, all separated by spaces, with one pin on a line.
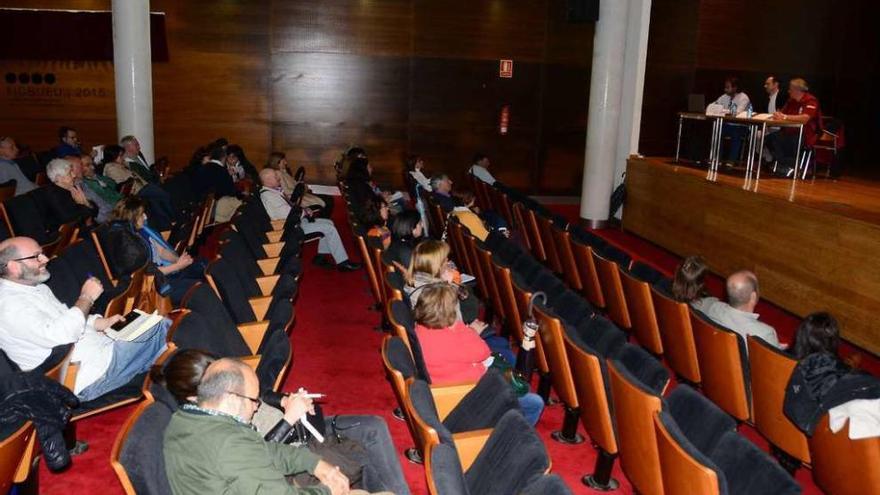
pixel 812 259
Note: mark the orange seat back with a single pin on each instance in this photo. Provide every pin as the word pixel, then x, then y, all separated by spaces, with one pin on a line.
pixel 612 291
pixel 634 410
pixel 641 312
pixel 519 222
pixel 545 230
pixel 589 385
pixel 456 241
pixel 16 452
pixel 470 245
pixel 550 334
pixel 769 371
pixel 120 440
pixel 534 233
pixel 721 367
pixel 842 466
pixel 674 324
pixel 398 385
pixel 591 288
pixel 372 276
pixel 484 257
pixel 512 317
pixel 562 240
pixel 682 474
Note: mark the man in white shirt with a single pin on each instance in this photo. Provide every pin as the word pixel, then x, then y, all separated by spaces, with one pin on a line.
pixel 33 321
pixel 278 207
pixel 735 101
pixel 738 314
pixel 480 169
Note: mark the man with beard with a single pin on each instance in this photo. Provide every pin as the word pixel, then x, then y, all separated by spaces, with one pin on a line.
pixel 33 321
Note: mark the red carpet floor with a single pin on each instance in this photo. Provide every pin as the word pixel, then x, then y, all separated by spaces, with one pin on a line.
pixel 336 351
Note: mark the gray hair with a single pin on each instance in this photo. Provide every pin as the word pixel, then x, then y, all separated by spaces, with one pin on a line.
pixel 57 168
pixel 127 139
pixel 7 254
pixel 218 382
pixel 437 179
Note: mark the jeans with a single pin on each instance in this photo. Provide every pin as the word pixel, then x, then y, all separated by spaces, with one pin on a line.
pixel 383 471
pixel 532 406
pixel 736 134
pixel 129 360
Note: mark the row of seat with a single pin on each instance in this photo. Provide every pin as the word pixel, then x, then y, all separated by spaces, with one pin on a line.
pixel 749 386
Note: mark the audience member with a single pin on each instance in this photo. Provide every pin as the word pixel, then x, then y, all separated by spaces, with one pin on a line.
pixel 33 321
pixel 802 107
pixel 359 180
pixel 210 446
pixel 239 166
pixel 136 160
pixel 278 207
pixel 76 169
pixel 117 169
pixel 178 272
pixel 374 217
pixel 441 192
pixel 465 213
pixel 821 381
pixel 65 199
pixel 738 314
pixel 734 101
pixel 406 231
pixel 381 470
pixel 480 169
pixel 453 351
pixel 415 166
pixel 9 170
pixel 214 177
pixel 688 284
pixel 69 142
pixel 100 185
pixel 278 161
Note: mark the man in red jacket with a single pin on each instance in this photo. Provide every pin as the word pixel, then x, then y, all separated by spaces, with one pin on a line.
pixel 801 107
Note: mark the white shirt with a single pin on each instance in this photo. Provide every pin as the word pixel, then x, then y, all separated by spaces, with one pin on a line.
pixel 739 321
pixel 771 105
pixel 482 174
pixel 33 321
pixel 423 181
pixel 741 100
pixel 275 203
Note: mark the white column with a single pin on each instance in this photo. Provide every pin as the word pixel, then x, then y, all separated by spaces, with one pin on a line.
pixel 616 85
pixel 132 64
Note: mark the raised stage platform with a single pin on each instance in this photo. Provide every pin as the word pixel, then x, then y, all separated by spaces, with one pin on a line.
pixel 813 244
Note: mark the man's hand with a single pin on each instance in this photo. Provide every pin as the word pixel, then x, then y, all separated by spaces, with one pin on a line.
pixel 183 261
pixel 332 478
pixel 778 116
pixel 91 289
pixel 295 407
pixel 102 324
pixel 478 326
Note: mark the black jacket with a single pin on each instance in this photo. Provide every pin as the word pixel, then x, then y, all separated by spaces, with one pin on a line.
pixel 820 382
pixel 781 98
pixel 58 207
pixel 216 179
pixel 30 396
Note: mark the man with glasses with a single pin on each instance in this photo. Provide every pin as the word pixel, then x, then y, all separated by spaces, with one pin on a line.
pixel 33 321
pixel 211 446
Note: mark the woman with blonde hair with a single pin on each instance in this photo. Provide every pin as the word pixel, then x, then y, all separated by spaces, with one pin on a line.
pixel 453 351
pixel 429 264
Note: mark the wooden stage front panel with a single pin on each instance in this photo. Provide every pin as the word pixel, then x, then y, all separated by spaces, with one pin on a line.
pixel 809 254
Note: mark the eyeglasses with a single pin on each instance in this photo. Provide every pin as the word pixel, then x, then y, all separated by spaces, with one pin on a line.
pixel 256 402
pixel 32 257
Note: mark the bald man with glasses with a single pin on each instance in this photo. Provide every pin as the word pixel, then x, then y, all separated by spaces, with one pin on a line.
pixel 33 321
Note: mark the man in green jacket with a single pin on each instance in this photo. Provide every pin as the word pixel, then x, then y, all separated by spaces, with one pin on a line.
pixel 212 448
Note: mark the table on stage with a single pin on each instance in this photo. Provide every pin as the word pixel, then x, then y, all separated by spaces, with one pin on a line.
pixel 757 132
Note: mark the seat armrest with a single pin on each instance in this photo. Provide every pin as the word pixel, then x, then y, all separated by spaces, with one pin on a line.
pixel 469 444
pixel 268 265
pixel 278 225
pixel 274 235
pixel 267 283
pixel 253 334
pixel 446 397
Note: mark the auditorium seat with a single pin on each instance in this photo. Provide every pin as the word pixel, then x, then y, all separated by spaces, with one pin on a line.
pixel 842 466
pixel 511 458
pixel 120 442
pixel 16 453
pixel 456 244
pixel 482 282
pixel 567 262
pixel 591 287
pixel 519 223
pixel 512 317
pixel 769 370
pixel 701 452
pixel 372 271
pixel 22 216
pixel 637 383
pixel 484 259
pixel 637 291
pixel 676 335
pixel 436 217
pixel 593 342
pixel 551 335
pixel 545 229
pixel 608 271
pixel 724 367
pixel 523 296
